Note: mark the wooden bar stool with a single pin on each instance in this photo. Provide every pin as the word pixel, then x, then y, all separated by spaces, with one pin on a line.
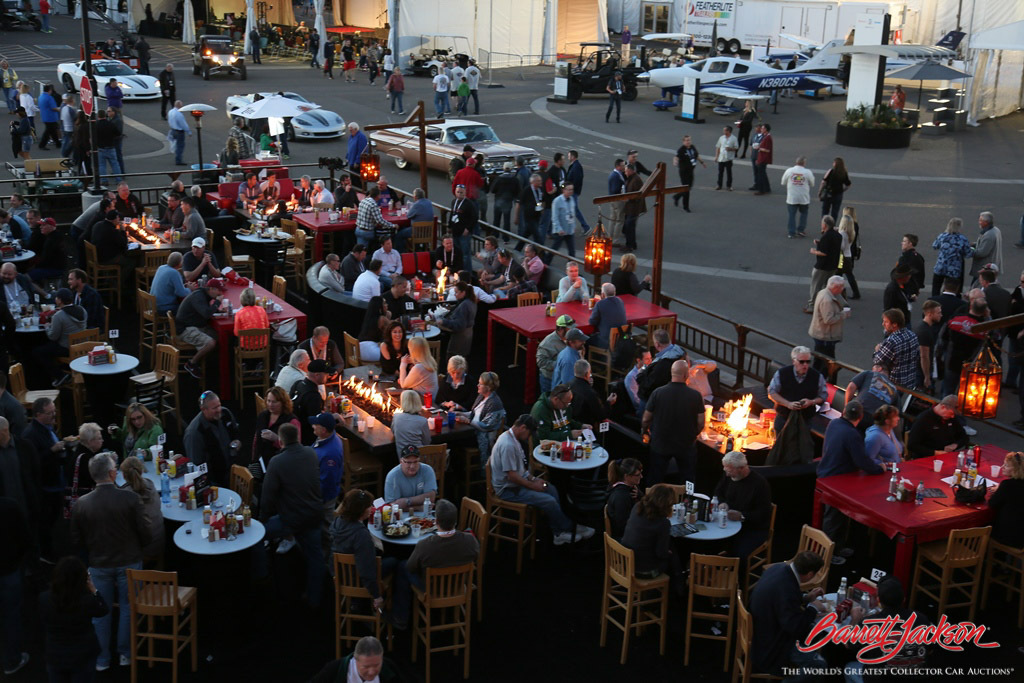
pixel 1005 567
pixel 362 471
pixel 153 595
pixel 743 668
pixel 16 385
pixel 352 357
pixel 166 367
pixel 817 541
pixel 252 362
pixel 436 455
pixel 152 325
pixel 447 589
pixel 715 578
pixel 963 552
pixel 104 278
pixel 472 515
pixel 524 299
pixel 244 265
pixel 347 588
pixel 520 516
pixel 280 288
pixel 186 351
pixel 241 483
pixel 624 591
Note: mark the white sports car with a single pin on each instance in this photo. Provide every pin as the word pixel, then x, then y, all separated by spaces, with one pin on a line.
pixel 313 124
pixel 134 86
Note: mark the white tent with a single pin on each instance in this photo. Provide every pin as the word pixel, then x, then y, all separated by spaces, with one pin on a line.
pixel 1008 37
pixel 188 26
pixel 318 25
pixel 250 24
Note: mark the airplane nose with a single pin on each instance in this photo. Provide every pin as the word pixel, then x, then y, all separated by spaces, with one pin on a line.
pixel 643 77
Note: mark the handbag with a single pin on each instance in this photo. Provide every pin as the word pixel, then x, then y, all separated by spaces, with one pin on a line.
pixel 967 495
pixel 285 330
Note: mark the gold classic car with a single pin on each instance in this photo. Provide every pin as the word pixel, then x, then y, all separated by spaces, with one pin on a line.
pixel 446 140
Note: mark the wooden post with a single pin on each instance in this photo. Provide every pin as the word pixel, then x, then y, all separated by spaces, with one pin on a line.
pixel 653 187
pixel 417 118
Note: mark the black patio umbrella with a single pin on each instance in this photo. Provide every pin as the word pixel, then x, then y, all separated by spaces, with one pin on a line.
pixel 927 71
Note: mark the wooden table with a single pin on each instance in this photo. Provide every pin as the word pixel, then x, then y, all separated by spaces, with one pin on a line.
pixel 321 225
pixel 862 498
pixel 224 327
pixel 534 323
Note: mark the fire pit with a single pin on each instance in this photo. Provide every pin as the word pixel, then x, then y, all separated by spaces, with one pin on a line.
pixel 372 400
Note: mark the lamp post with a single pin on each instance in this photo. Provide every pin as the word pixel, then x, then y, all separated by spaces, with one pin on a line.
pixel 980 380
pixel 597 251
pixel 197 110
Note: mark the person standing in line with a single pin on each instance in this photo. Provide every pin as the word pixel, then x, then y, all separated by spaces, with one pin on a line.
pixel 44 13
pixel 473 77
pixel 989 247
pixel 28 103
pixel 746 124
pixel 764 159
pixel 67 124
pixel 725 152
pixel 49 114
pixel 388 65
pixel 9 80
pixel 849 231
pixel 686 160
pixel 441 87
pixel 798 181
pixel 953 248
pixel 167 89
pixel 574 175
pixel 563 219
pixel 615 89
pixel 633 207
pixel 314 49
pixel 826 327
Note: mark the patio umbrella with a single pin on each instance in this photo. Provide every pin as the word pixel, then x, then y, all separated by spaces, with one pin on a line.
pixel 927 71
pixel 318 25
pixel 250 24
pixel 188 24
pixel 275 106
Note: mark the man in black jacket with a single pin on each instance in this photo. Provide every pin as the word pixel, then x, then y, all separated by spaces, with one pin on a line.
pixel 447 256
pixel 193 318
pixel 782 615
pixel 212 438
pixel 826 250
pixel 352 265
pixel 529 209
pixel 308 396
pixel 167 90
pixel 48 243
pixel 18 472
pixel 505 189
pixel 587 406
pixel 48 451
pixel 291 505
pixel 88 298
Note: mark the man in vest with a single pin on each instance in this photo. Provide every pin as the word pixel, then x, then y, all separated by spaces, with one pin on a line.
pixel 797 387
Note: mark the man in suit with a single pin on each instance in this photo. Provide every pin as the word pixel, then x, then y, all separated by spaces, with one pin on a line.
pixel 782 615
pixel 949 299
pixel 112 525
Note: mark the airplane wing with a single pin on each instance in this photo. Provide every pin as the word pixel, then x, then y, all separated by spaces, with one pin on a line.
pixel 802 42
pixel 731 92
pixel 667 36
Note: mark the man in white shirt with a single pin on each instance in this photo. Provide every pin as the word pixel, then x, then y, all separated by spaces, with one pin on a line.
pixel 321 195
pixel 572 287
pixel 441 86
pixel 391 261
pixel 798 182
pixel 455 77
pixel 367 284
pixel 67 123
pixel 330 274
pixel 473 78
pixel 725 152
pixel 178 131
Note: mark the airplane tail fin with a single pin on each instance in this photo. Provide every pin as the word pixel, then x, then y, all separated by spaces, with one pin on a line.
pixel 825 60
pixel 951 40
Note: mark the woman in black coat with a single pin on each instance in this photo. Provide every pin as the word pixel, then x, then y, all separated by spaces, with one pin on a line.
pixel 1008 503
pixel 67 611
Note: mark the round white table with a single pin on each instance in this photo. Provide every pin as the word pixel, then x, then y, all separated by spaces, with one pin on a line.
pixel 256 239
pixel 713 532
pixel 25 255
pixel 227 501
pixel 598 457
pixel 189 538
pixel 401 540
pixel 431 332
pixel 125 363
pixel 30 329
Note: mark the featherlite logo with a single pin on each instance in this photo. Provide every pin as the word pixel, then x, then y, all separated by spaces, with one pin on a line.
pixel 711 9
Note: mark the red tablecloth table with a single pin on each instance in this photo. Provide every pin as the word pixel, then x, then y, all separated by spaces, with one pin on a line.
pixel 224 327
pixel 862 498
pixel 321 225
pixel 534 323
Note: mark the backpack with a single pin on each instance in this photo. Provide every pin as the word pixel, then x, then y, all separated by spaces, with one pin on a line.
pixel 625 350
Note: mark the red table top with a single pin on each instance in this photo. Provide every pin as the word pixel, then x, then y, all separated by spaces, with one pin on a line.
pixel 234 295
pixel 322 223
pixel 862 497
pixel 535 323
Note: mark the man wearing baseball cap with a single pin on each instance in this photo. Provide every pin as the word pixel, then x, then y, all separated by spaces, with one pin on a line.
pixel 567 357
pixel 198 262
pixel 458 163
pixel 193 320
pixel 308 396
pixel 410 482
pixel 330 457
pixel 550 347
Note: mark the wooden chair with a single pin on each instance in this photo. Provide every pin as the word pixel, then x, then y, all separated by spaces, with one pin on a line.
pixel 679 490
pixel 759 558
pixel 280 287
pixel 525 299
pixel 554 296
pixel 624 591
pixel 144 273
pixel 352 357
pixel 435 351
pixel 449 590
pixel 253 347
pixel 185 350
pixel 472 515
pixel 362 470
pixel 165 366
pixel 261 403
pixel 607 522
pixel 16 385
pixel 518 515
pixel 241 483
pixel 742 670
pixel 816 541
pixel 289 226
pixel 473 462
pixel 1005 567
pixel 667 323
pixel 243 265
pixel 347 589
pixel 155 595
pixel 436 455
pixel 77 384
pixel 601 366
pixel 152 325
pixel 91 334
pixel 104 278
pixel 715 578
pixel 963 552
pixel 295 261
pixel 422 236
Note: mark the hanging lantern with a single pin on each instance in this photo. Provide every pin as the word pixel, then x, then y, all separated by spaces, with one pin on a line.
pixel 369 167
pixel 597 252
pixel 979 386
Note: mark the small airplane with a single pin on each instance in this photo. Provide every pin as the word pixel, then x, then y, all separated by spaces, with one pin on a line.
pixel 897 55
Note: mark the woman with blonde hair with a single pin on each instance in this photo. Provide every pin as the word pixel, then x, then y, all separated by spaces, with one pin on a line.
pixel 418 369
pixel 133 471
pixel 487 413
pixel 624 277
pixel 1008 503
pixel 850 232
pixel 140 429
pixel 953 248
pixel 408 425
pixel 28 103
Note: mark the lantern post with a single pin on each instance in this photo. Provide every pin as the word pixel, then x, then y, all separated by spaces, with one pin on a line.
pixel 980 380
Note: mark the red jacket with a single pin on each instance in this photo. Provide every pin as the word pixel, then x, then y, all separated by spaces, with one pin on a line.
pixel 44 7
pixel 469 177
pixel 764 151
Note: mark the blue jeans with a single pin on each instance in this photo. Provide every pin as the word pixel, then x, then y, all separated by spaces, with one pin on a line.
pixel 546 500
pixel 832 205
pixel 178 145
pixel 545 384
pixel 11 97
pixel 396 98
pixel 440 103
pixel 46 22
pixel 312 550
pixel 503 209
pixel 566 239
pixel 761 178
pixel 10 619
pixel 793 208
pixel 108 156
pixel 112 584
pixel 579 217
pixel 65 144
pixel 364 237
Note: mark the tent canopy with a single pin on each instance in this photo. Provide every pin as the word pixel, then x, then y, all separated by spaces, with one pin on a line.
pixel 1008 37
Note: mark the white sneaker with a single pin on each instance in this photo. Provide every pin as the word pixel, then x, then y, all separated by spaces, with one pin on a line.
pixel 285 545
pixel 584 532
pixel 562 538
pixel 970 431
pixel 125 660
pixel 21 664
pixel 102 667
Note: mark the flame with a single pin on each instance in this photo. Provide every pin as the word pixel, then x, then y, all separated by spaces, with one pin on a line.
pixel 370 395
pixel 441 280
pixel 140 234
pixel 737 421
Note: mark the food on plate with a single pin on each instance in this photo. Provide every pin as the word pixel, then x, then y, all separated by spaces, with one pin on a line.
pixel 424 523
pixel 397 531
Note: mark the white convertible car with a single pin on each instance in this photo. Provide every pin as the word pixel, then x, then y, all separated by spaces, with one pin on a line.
pixel 134 86
pixel 310 125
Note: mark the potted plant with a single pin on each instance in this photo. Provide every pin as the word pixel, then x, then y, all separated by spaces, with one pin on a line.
pixel 877 127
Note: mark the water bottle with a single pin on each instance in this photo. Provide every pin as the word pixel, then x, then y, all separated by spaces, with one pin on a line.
pixel 714 509
pixel 165 489
pixel 894 484
pixel 919 500
pixel 841 593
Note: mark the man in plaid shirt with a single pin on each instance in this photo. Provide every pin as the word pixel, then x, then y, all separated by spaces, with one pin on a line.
pixel 900 349
pixel 369 218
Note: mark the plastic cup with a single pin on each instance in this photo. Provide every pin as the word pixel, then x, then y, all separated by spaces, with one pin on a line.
pixel 937 464
pixel 362 426
pixel 996 469
pixel 370 421
pixel 205 532
pixel 416 530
